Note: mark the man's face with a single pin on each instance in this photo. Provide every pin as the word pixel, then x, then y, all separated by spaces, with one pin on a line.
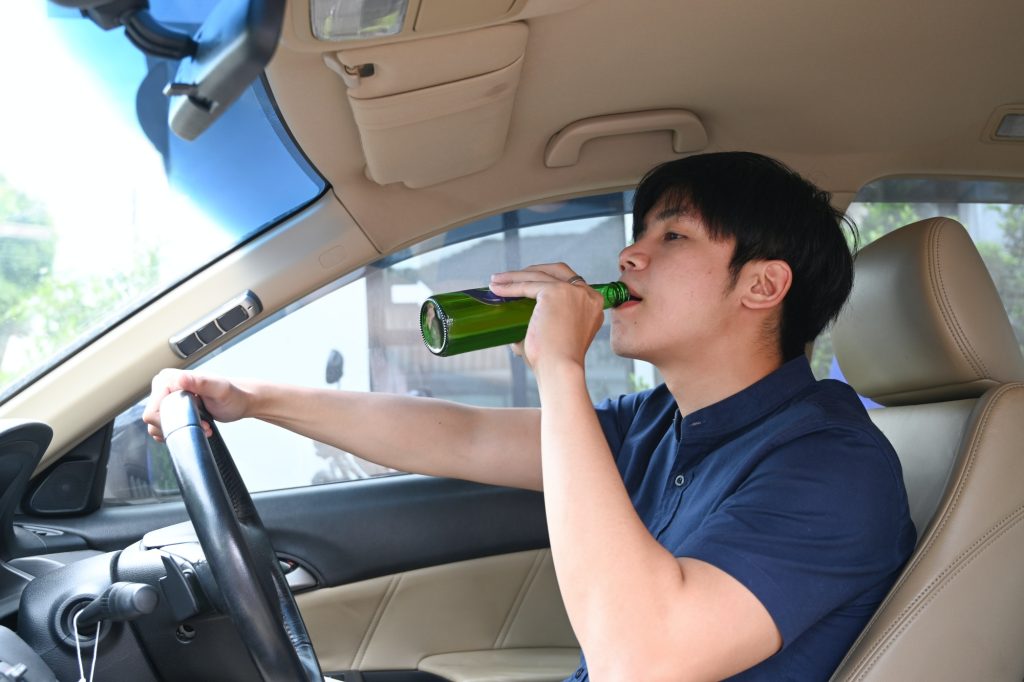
pixel 685 290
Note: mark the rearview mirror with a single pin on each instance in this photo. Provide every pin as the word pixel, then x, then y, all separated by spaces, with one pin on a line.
pixel 233 46
pixel 227 53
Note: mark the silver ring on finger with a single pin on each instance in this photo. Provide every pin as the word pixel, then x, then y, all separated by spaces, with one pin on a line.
pixel 574 279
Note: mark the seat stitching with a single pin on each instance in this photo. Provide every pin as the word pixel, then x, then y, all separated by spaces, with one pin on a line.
pixel 925 590
pixel 935 588
pixel 968 469
pixel 923 552
pixel 945 308
pixel 963 343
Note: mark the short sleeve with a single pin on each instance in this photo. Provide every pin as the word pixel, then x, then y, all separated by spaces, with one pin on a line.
pixel 616 415
pixel 819 522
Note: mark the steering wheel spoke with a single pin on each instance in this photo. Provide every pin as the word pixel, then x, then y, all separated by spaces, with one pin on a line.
pixel 237 547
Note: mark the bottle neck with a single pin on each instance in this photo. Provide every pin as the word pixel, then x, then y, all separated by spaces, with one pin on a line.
pixel 615 293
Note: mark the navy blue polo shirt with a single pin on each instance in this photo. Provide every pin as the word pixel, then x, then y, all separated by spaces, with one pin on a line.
pixel 788 487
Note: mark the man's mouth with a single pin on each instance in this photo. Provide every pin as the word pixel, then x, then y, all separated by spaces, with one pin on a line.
pixel 633 299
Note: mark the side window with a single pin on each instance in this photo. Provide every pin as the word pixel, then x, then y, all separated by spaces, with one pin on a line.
pixel 992 212
pixel 362 334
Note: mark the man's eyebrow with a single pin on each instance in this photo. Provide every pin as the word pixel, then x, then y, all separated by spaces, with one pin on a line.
pixel 669 213
pixel 662 214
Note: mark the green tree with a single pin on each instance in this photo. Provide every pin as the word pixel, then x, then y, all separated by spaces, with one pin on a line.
pixel 26 256
pixel 50 311
pixel 61 312
pixel 1005 261
pixel 880 218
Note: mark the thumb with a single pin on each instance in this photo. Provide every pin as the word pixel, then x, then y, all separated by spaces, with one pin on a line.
pixel 202 386
pixel 196 385
pixel 187 382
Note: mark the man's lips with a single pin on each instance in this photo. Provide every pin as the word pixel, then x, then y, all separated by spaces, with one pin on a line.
pixel 634 300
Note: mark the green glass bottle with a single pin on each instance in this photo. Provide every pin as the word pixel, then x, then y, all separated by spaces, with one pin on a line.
pixel 462 321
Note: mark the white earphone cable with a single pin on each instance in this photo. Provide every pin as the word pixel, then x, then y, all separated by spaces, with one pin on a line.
pixel 78 650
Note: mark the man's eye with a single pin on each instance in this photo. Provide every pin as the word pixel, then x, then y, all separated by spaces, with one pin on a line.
pixel 671 236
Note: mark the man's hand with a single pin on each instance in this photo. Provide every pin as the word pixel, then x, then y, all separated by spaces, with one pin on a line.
pixel 225 401
pixel 567 316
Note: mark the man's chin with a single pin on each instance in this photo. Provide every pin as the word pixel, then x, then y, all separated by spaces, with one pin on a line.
pixel 625 350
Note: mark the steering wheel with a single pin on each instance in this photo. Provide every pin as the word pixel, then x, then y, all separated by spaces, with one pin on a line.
pixel 237 548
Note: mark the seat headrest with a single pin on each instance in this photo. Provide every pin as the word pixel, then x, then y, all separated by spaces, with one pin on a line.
pixel 924 322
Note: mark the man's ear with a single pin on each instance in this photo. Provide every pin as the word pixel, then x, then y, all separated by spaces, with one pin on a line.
pixel 767 283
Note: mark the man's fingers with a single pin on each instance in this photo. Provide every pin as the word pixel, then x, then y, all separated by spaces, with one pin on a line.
pixel 544 272
pixel 528 289
pixel 533 288
pixel 156 434
pixel 189 383
pixel 164 383
pixel 559 271
pixel 522 276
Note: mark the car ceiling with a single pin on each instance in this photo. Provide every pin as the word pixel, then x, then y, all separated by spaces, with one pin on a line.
pixel 843 91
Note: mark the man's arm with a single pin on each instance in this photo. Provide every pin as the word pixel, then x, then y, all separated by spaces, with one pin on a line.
pixel 419 435
pixel 638 611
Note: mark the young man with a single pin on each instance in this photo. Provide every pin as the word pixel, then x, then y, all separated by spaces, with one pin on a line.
pixel 740 520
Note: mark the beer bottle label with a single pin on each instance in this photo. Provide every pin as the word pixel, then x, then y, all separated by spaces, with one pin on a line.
pixel 489 297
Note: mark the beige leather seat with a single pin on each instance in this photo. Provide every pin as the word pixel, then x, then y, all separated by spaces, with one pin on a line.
pixel 926 335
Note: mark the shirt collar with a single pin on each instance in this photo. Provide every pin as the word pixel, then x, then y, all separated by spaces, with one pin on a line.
pixel 749 405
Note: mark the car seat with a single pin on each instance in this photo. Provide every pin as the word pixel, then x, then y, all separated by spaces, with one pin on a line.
pixel 925 335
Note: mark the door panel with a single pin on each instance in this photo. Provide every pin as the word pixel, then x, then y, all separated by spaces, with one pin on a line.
pixel 365 529
pixel 408 568
pixel 508 604
pixel 344 532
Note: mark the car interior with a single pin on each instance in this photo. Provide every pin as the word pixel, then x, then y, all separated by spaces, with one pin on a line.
pixel 426 128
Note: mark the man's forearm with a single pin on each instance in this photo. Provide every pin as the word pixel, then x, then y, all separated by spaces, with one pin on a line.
pixel 414 434
pixel 610 569
pixel 638 611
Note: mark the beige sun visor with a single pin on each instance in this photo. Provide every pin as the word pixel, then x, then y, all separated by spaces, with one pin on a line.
pixel 417 104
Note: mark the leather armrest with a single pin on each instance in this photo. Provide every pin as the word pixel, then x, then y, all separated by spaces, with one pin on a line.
pixel 504 665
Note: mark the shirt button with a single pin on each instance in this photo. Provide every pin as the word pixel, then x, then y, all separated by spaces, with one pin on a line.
pixel 578 674
pixel 680 480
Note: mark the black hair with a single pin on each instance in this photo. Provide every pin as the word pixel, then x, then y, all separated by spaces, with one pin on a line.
pixel 772 213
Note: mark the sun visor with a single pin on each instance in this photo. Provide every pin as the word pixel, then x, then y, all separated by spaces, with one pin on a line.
pixel 434 109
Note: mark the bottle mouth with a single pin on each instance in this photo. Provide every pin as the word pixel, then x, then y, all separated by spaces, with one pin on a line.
pixel 433 327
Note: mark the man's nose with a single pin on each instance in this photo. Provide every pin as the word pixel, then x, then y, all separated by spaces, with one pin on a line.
pixel 632 258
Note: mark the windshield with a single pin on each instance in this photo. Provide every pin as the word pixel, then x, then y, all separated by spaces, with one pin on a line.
pixel 101 206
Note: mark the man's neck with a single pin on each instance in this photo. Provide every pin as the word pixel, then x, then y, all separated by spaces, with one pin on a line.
pixel 706 381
